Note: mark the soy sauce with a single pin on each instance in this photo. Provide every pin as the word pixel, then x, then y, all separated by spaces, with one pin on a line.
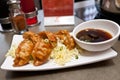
pixel 93 35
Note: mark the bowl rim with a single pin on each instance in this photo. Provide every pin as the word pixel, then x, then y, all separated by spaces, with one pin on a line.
pixel 96 43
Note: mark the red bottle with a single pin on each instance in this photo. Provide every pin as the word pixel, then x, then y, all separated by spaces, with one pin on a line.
pixel 28 6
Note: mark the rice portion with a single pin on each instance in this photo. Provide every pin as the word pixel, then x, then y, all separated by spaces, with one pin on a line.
pixel 61 55
pixel 11 51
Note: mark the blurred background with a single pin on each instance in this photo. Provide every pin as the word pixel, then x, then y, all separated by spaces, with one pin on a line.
pixel 83 9
pixel 94 9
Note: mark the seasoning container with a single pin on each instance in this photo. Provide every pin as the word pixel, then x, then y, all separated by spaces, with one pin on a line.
pixel 4 17
pixel 31 12
pixel 17 16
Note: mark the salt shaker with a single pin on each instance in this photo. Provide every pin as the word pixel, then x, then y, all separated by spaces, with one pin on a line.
pixel 17 16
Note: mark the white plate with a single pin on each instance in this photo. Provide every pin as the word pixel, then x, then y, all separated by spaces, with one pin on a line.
pixel 88 58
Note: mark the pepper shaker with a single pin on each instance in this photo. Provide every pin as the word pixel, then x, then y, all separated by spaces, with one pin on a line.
pixel 17 16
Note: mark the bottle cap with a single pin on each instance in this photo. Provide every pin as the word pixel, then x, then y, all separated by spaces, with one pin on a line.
pixel 14 4
pixel 32 14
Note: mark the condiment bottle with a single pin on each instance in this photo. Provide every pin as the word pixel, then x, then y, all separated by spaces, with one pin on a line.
pixel 28 7
pixel 17 16
pixel 4 17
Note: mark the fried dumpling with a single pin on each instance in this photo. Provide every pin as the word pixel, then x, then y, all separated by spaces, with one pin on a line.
pixel 43 48
pixel 25 48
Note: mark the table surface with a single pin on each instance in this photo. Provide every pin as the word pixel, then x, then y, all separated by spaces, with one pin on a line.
pixel 104 70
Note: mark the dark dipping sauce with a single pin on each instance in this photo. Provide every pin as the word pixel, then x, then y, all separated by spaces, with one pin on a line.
pixel 93 35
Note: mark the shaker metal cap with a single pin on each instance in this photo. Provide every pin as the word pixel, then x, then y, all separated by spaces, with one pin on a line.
pixel 13 2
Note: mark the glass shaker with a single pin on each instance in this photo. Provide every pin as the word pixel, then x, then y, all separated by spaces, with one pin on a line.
pixel 17 16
